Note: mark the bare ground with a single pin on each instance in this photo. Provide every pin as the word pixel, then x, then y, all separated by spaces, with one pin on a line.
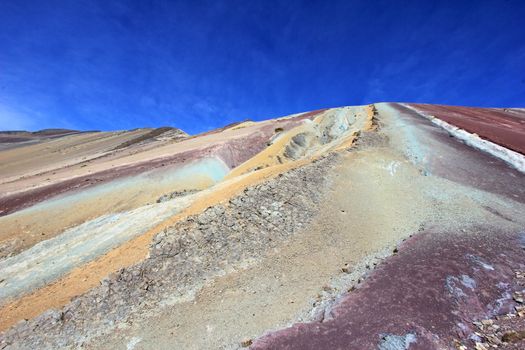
pixel 369 200
pixel 374 198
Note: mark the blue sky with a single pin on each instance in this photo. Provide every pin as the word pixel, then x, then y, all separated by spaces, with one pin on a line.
pixel 198 65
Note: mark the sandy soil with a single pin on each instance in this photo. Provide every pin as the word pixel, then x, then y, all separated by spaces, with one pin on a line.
pixel 59 153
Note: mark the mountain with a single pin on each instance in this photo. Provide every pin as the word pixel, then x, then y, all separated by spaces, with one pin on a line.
pixel 385 226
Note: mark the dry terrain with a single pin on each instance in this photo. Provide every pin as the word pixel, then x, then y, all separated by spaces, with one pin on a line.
pixel 386 226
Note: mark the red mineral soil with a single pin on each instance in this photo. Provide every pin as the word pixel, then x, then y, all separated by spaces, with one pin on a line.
pixel 426 296
pixel 504 126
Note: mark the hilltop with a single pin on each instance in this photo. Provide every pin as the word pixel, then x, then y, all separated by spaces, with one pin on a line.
pixel 384 226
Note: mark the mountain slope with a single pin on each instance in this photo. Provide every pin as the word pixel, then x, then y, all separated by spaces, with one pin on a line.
pixel 257 226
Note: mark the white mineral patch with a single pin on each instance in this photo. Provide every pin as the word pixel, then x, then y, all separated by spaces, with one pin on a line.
pixel 133 342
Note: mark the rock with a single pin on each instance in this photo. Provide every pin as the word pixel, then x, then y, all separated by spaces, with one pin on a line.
pixel 169 196
pixel 481 346
pixel 396 342
pixel 487 322
pixel 493 339
pixel 513 336
pixel 518 297
pixel 520 311
pixel 246 342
